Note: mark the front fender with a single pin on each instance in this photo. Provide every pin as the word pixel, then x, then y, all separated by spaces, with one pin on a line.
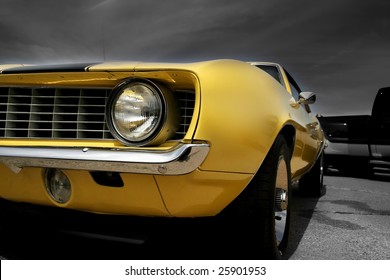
pixel 242 110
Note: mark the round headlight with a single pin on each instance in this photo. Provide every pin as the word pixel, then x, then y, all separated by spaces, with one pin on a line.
pixel 136 112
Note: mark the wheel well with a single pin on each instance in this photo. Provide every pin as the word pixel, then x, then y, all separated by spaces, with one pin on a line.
pixel 288 133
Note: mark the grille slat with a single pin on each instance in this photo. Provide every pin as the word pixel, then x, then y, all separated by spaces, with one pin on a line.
pixel 61 113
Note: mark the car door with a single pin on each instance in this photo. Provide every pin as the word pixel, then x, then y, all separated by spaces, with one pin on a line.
pixel 309 135
pixel 380 125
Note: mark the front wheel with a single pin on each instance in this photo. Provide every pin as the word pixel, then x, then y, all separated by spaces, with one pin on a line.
pixel 262 210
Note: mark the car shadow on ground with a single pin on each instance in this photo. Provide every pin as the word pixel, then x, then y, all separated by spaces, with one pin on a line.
pixel 302 210
pixel 57 236
pixel 28 237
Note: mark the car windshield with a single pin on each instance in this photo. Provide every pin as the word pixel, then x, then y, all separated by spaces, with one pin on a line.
pixel 271 70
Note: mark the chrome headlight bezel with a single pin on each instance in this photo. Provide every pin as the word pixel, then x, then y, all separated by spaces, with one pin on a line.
pixel 161 121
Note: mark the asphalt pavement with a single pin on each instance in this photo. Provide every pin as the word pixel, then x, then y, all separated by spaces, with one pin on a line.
pixel 350 222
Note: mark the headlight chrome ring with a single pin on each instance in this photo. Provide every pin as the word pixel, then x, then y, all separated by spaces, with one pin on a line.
pixel 137 113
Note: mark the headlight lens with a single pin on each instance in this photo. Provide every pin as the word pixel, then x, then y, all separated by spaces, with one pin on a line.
pixel 136 112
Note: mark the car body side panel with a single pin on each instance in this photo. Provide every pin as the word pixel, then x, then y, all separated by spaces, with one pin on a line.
pixel 309 141
pixel 307 148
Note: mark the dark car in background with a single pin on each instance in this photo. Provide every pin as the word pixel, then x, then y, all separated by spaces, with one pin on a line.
pixel 360 144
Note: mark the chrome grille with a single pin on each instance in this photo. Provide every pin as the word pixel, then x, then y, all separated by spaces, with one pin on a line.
pixel 66 113
pixel 53 113
pixel 186 100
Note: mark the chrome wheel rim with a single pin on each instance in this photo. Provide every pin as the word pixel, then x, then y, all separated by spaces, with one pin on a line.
pixel 321 171
pixel 281 200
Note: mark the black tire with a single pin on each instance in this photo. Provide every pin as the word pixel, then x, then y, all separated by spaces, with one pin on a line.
pixel 312 183
pixel 255 214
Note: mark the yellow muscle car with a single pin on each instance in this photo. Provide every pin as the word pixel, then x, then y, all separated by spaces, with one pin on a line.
pixel 219 138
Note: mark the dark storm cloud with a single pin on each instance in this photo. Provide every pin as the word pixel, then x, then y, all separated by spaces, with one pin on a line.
pixel 339 49
pixel 42 31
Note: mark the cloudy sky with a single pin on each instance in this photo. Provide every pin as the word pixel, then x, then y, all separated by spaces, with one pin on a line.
pixel 339 49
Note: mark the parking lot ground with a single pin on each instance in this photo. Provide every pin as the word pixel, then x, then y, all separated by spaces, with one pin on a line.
pixel 352 221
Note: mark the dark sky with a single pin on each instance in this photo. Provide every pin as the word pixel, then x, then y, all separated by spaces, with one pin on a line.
pixel 338 49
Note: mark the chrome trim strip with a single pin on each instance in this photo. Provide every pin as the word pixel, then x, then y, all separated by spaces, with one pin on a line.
pixel 49 68
pixel 181 159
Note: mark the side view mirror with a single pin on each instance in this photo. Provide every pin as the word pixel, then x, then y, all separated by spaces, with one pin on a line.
pixel 306 97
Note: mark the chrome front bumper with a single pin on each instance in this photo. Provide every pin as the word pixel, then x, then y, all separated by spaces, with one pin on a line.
pixel 181 159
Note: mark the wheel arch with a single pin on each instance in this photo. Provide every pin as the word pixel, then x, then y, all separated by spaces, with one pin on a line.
pixel 288 132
